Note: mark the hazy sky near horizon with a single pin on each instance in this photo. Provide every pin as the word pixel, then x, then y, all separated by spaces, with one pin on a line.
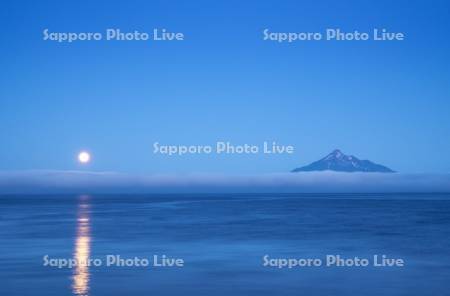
pixel 384 101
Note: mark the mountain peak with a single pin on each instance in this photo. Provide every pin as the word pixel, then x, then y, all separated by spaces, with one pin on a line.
pixel 340 162
pixel 336 153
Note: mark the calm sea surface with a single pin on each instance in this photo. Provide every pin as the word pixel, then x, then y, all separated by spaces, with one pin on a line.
pixel 223 240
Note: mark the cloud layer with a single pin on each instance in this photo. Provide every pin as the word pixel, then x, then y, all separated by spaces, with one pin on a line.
pixel 36 182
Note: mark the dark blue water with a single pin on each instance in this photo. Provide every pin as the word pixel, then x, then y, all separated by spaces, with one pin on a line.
pixel 222 240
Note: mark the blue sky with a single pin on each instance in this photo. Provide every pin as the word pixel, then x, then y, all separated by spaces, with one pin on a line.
pixel 384 101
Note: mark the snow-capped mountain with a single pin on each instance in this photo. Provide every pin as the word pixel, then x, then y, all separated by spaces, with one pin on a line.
pixel 338 161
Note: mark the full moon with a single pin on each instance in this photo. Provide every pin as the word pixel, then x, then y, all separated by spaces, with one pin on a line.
pixel 84 157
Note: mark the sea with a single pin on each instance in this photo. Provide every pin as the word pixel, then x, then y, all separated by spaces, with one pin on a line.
pixel 225 244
